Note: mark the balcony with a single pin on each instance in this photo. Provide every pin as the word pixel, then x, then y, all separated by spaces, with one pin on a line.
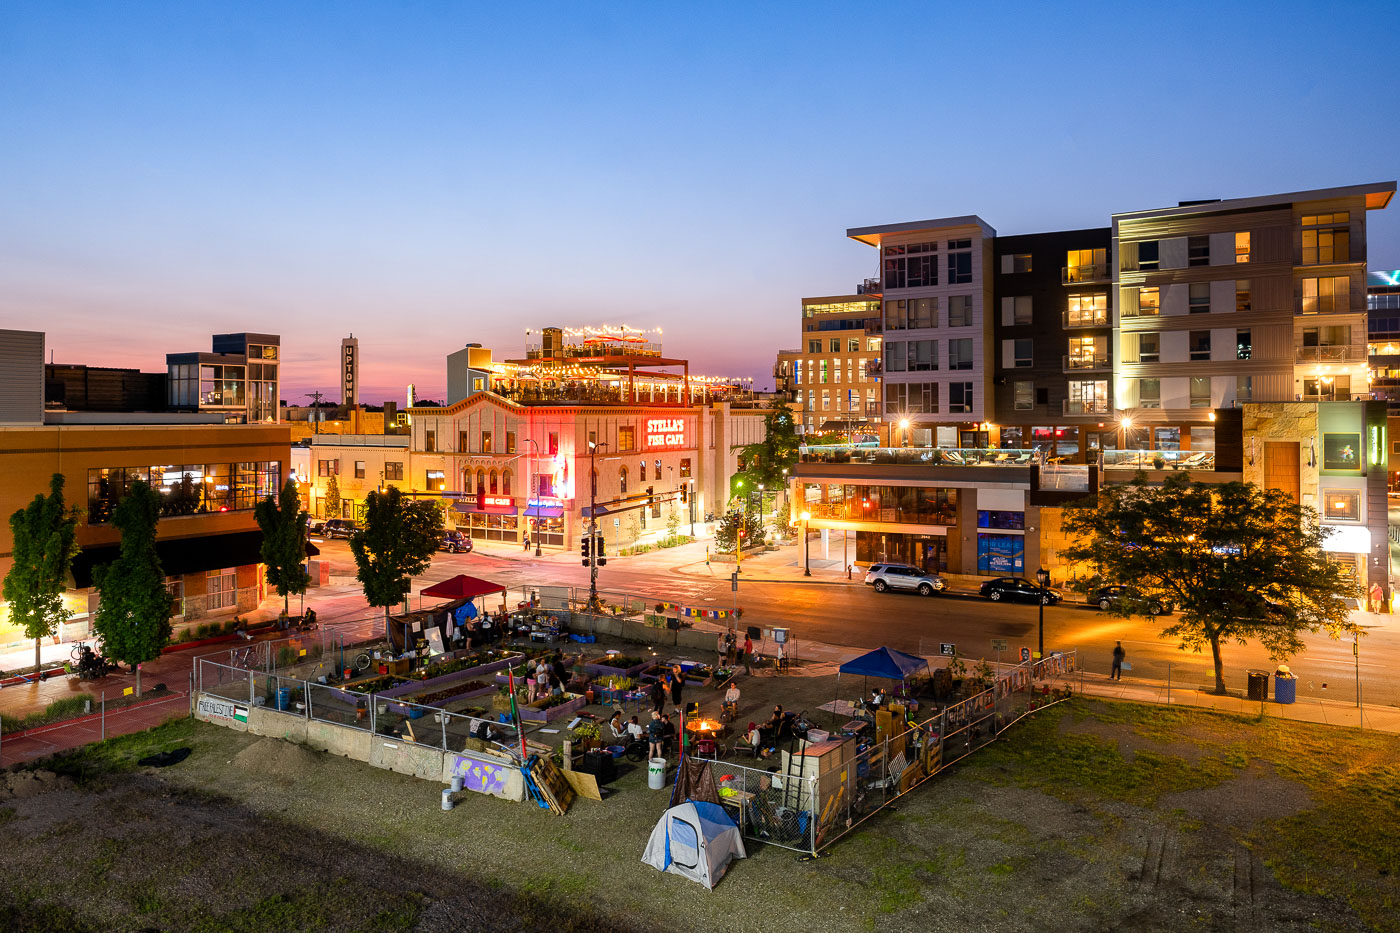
pixel 1340 353
pixel 1087 363
pixel 870 287
pixel 1159 459
pixel 1093 406
pixel 915 456
pixel 873 409
pixel 1085 275
pixel 1073 319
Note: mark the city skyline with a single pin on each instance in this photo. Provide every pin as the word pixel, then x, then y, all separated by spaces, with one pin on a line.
pixel 429 178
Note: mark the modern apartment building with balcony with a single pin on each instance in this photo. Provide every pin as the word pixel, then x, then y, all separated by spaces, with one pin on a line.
pixel 835 374
pixel 1053 331
pixel 1383 339
pixel 936 290
pixel 1222 303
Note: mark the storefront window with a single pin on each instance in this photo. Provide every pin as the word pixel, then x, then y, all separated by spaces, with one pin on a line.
pixel 929 552
pixel 1012 521
pixel 1001 554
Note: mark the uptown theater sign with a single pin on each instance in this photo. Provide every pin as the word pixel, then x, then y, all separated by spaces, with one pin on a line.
pixel 665 434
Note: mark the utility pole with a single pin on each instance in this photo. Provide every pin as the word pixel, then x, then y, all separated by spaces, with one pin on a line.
pixel 592 552
pixel 315 410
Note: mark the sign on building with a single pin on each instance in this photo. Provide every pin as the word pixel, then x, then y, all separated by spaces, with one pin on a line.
pixel 350 371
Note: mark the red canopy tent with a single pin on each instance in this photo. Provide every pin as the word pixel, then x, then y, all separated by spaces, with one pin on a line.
pixel 462 587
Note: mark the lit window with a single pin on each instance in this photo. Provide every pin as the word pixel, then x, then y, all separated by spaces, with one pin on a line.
pixel 1242 247
pixel 1342 505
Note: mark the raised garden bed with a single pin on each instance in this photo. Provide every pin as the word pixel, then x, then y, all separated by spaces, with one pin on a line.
pixel 439 681
pixel 376 684
pixel 618 665
pixel 571 704
pixel 472 688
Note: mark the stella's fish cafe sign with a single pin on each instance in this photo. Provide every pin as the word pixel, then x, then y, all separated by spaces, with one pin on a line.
pixel 666 434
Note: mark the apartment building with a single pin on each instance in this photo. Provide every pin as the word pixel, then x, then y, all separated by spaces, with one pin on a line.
pixel 240 379
pixel 1383 338
pixel 1052 364
pixel 1222 303
pixel 836 372
pixel 936 288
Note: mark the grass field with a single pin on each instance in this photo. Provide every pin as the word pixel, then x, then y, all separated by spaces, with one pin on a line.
pixel 1089 816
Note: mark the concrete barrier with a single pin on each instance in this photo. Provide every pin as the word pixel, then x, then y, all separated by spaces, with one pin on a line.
pixel 221 712
pixel 279 725
pixel 485 774
pixel 394 754
pixel 338 740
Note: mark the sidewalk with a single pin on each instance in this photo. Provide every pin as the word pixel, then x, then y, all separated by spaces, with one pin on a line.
pixel 46 740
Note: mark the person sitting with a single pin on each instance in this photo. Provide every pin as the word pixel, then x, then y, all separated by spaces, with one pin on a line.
pixel 618 726
pixel 731 696
pixel 635 730
pixel 878 698
pixel 772 729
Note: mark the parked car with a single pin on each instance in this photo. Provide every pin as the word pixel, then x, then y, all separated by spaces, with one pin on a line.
pixel 1106 596
pixel 340 528
pixel 1019 588
pixel 316 526
pixel 903 577
pixel 455 542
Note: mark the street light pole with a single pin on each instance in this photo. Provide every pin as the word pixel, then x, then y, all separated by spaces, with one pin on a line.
pixel 535 493
pixel 593 603
pixel 1042 577
pixel 806 546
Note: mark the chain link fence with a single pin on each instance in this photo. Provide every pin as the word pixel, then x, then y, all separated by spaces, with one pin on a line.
pixel 814 793
pixel 420 724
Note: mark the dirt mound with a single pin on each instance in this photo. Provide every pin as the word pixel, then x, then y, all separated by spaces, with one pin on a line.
pixel 23 784
pixel 277 758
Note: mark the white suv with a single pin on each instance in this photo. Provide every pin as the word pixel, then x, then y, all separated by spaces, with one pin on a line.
pixel 903 577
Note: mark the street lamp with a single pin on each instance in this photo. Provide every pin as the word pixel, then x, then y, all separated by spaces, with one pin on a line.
pixel 904 426
pixel 1042 577
pixel 534 493
pixel 593 603
pixel 806 546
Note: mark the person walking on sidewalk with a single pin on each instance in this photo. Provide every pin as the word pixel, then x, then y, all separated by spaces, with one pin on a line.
pixel 1118 655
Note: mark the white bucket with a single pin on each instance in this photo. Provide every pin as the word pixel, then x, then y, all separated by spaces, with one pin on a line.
pixel 446 798
pixel 656 773
pixel 456 783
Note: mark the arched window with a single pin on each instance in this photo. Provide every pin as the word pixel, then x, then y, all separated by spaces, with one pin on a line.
pixel 505 482
pixel 622 480
pixel 493 482
pixel 467 481
pixel 480 481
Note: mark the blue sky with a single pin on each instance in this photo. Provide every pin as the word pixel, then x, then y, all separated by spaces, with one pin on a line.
pixel 429 174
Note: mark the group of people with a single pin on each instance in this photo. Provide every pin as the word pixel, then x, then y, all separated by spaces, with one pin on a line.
pixel 482 629
pixel 547 677
pixel 764 738
pixel 732 653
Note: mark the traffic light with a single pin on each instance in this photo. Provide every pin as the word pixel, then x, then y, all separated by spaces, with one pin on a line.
pixel 586 548
pixel 599 553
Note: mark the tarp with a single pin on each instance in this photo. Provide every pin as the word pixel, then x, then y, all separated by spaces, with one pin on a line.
pixel 884 662
pixel 462 587
pixel 695 782
pixel 695 840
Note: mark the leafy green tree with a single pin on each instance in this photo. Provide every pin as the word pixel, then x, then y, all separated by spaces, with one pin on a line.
pixel 45 543
pixel 133 614
pixel 333 504
pixel 1238 562
pixel 769 462
pixel 727 531
pixel 396 542
pixel 283 525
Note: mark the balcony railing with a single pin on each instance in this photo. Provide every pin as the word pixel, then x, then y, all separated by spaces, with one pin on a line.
pixel 1159 459
pixel 1083 275
pixel 1081 319
pixel 917 456
pixel 1331 354
pixel 873 409
pixel 869 287
pixel 1087 363
pixel 1075 406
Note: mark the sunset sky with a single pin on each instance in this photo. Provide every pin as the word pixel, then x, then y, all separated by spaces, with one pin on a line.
pixel 429 174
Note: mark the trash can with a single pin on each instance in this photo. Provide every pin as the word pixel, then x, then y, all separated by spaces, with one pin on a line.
pixel 446 798
pixel 1285 685
pixel 1258 685
pixel 284 697
pixel 656 773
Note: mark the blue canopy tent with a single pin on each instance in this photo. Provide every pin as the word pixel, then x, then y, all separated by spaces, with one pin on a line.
pixel 882 662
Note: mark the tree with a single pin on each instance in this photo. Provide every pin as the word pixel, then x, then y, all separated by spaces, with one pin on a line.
pixel 727 531
pixel 332 504
pixel 133 615
pixel 283 525
pixel 1238 562
pixel 45 543
pixel 769 462
pixel 397 541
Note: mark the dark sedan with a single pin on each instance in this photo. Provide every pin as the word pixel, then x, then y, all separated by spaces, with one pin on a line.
pixel 1018 589
pixel 1107 596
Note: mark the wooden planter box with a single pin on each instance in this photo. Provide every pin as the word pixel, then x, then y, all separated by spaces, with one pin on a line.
pixel 443 680
pixel 564 710
pixel 599 667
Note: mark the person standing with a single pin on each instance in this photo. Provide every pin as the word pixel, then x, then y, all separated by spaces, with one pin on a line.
pixel 1118 655
pixel 657 731
pixel 526 538
pixel 747 655
pixel 677 683
pixel 658 695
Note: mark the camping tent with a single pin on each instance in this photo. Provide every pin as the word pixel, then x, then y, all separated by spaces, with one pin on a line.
pixel 696 840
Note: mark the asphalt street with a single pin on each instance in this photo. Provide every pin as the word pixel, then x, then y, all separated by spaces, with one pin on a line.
pixel 853 615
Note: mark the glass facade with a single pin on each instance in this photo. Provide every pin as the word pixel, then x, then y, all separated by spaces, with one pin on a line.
pixel 929 552
pixel 185 489
pixel 914 505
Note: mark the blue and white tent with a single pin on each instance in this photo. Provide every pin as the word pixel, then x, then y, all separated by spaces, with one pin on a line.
pixel 696 840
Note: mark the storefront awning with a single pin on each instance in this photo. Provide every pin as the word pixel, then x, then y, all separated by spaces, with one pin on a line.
pixel 1347 539
pixel 180 556
pixel 547 511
